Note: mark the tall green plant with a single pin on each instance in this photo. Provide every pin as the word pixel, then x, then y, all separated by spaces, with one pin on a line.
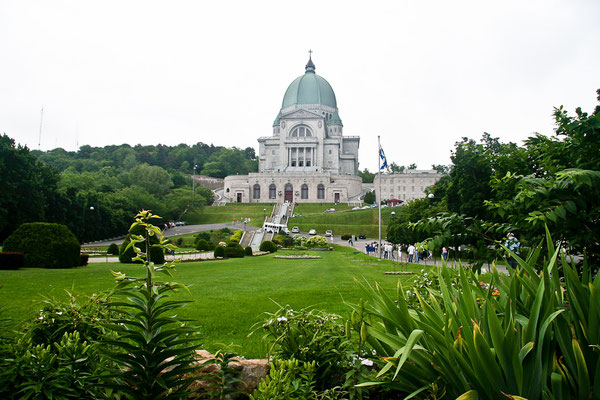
pixel 154 349
pixel 525 334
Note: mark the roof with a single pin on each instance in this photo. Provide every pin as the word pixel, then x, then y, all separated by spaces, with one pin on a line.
pixel 309 88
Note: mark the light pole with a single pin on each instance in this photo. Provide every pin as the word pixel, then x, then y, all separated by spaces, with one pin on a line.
pixel 264 214
pixel 194 183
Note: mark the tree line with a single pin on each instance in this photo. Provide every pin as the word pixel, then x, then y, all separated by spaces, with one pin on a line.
pixel 96 190
pixel 492 188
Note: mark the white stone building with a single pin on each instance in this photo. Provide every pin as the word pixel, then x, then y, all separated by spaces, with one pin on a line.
pixel 307 158
pixel 405 186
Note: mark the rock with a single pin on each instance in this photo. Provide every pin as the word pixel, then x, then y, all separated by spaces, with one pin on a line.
pixel 251 373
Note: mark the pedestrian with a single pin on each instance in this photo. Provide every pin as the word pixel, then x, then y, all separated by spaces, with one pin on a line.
pixel 411 253
pixel 385 251
pixel 512 244
pixel 367 248
pixel 445 253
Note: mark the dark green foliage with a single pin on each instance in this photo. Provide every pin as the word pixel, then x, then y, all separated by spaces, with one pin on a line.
pixel 370 197
pixel 203 236
pixel 225 231
pixel 269 246
pixel 234 250
pixel 283 240
pixel 248 250
pixel 219 251
pixel 45 245
pixel 126 252
pixel 288 379
pixel 157 254
pixel 11 260
pixel 152 347
pixel 204 245
pixel 113 249
pixel 84 258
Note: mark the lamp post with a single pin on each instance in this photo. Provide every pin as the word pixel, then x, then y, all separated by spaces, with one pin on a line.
pixel 194 183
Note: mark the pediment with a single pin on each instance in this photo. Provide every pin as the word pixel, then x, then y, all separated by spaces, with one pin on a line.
pixel 301 114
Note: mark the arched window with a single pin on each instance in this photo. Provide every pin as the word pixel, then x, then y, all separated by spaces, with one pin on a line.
pixel 320 191
pixel 272 191
pixel 304 191
pixel 256 191
pixel 301 131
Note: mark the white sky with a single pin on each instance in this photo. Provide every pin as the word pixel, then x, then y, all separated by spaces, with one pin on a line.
pixel 421 74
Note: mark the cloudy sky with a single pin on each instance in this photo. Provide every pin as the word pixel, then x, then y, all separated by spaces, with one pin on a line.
pixel 420 74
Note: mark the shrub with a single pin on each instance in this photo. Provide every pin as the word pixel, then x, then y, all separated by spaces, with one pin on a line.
pixel 309 335
pixel 234 250
pixel 248 251
pixel 283 240
pixel 11 260
pixel 225 230
pixel 237 236
pixel 126 252
pixel 219 251
pixel 45 245
pixel 287 379
pixel 113 249
pixel 157 254
pixel 269 246
pixel 317 242
pixel 204 245
pixel 204 236
pixel 83 259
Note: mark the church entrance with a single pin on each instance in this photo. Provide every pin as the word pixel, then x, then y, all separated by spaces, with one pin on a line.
pixel 239 197
pixel 336 197
pixel 289 193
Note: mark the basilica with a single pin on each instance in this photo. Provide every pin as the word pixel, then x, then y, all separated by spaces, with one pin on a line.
pixel 307 158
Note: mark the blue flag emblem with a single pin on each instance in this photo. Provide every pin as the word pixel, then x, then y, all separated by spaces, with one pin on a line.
pixel 383 159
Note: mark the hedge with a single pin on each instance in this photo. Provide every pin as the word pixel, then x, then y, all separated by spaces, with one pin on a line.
pixel 248 251
pixel 45 245
pixel 269 246
pixel 113 249
pixel 219 251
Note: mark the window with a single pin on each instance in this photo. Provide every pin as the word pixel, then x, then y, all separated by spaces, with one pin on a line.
pixel 301 131
pixel 272 191
pixel 304 191
pixel 320 191
pixel 256 191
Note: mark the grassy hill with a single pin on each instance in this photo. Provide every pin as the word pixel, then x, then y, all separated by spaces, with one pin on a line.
pixel 344 221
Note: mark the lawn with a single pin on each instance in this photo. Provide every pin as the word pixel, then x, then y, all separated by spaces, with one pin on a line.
pixel 229 295
pixel 344 221
pixel 234 212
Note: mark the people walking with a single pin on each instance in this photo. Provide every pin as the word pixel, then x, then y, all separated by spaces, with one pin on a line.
pixel 411 253
pixel 512 244
pixel 445 253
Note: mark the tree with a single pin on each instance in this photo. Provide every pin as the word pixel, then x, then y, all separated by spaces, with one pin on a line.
pixel 155 180
pixel 396 169
pixel 367 177
pixel 370 197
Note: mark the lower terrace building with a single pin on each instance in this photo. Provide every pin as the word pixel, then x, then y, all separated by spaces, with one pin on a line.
pixel 405 186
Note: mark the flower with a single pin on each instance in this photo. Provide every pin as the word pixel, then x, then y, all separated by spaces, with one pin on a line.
pixel 281 319
pixel 366 362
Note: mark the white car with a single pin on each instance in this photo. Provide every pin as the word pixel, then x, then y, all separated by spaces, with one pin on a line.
pixel 312 232
pixel 355 208
pixel 328 233
pixel 295 230
pixel 330 210
pixel 285 230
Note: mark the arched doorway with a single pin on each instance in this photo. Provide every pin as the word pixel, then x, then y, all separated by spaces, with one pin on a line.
pixel 289 192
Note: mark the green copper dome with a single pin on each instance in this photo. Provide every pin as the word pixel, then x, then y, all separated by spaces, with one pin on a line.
pixel 309 88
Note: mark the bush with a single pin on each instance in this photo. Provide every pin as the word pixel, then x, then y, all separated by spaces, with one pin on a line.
pixel 317 241
pixel 157 254
pixel 126 255
pixel 11 260
pixel 283 240
pixel 204 236
pixel 219 251
pixel 248 251
pixel 310 335
pixel 234 252
pixel 44 245
pixel 287 379
pixel 269 246
pixel 113 249
pixel 237 236
pixel 204 245
pixel 83 259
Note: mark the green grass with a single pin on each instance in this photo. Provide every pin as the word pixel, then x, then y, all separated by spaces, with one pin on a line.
pixel 345 222
pixel 229 296
pixel 234 211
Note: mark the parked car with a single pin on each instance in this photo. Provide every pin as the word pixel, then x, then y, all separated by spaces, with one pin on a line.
pixel 328 232
pixel 295 230
pixel 285 230
pixel 330 210
pixel 355 208
pixel 362 236
pixel 312 232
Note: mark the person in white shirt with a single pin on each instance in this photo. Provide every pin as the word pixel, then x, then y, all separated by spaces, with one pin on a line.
pixel 411 253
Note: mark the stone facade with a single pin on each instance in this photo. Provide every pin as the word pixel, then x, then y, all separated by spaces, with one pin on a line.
pixel 405 186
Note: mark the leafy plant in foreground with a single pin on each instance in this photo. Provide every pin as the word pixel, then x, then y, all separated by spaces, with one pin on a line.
pixel 526 334
pixel 153 348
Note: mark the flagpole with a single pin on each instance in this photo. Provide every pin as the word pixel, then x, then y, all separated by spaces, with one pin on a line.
pixel 379 197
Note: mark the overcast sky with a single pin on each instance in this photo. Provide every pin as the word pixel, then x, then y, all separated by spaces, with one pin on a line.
pixel 421 74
